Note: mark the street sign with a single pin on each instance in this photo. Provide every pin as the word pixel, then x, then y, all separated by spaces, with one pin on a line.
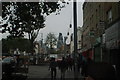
pixel 101 25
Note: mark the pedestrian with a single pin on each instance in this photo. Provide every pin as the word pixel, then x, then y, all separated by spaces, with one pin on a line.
pixel 79 62
pixel 63 67
pixel 85 64
pixel 31 60
pixel 34 60
pixel 52 68
pixel 18 60
pixel 69 62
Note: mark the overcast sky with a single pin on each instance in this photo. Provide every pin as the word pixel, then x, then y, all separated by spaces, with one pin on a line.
pixel 60 23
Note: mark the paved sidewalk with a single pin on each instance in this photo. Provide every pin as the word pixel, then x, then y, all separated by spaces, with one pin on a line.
pixel 42 72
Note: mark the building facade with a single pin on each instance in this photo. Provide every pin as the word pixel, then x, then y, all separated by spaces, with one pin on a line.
pixel 79 34
pixel 99 20
pixel 112 32
pixel 93 28
pixel 60 45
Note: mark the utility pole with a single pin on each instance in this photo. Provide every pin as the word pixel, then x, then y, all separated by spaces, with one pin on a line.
pixel 75 38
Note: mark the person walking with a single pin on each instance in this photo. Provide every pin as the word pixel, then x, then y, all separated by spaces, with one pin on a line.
pixel 85 65
pixel 79 62
pixel 52 68
pixel 69 62
pixel 63 67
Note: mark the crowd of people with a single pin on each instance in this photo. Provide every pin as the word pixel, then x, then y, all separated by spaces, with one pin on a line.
pixel 63 65
pixel 66 64
pixel 85 66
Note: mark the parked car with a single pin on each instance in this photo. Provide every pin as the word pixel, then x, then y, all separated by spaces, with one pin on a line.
pixel 13 66
pixel 8 64
pixel 8 60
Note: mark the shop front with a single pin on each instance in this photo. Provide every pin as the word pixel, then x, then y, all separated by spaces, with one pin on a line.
pixel 97 50
pixel 88 53
pixel 112 46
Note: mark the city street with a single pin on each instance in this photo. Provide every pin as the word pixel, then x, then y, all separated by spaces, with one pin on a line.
pixel 82 35
pixel 38 72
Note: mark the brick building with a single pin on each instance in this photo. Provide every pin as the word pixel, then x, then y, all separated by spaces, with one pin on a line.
pixel 100 19
pixel 112 32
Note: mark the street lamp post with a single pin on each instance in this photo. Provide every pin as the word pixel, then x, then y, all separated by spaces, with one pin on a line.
pixel 75 39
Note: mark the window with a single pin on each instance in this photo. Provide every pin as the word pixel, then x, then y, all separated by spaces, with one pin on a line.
pixel 109 16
